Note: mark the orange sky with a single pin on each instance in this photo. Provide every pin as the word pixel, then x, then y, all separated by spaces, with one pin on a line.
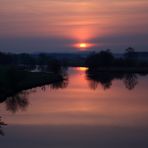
pixel 104 23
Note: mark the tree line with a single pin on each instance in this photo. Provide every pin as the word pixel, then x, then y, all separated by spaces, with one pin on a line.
pixel 97 59
pixel 107 59
pixel 29 60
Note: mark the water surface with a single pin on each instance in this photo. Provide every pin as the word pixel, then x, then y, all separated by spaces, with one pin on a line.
pixel 82 113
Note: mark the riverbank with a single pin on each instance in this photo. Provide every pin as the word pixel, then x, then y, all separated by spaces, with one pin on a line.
pixel 13 81
pixel 121 69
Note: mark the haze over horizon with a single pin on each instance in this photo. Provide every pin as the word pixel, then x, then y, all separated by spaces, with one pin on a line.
pixel 63 25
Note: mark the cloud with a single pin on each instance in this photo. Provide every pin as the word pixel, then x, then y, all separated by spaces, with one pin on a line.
pixel 31 24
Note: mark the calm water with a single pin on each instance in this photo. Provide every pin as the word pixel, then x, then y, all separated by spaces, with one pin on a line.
pixel 81 114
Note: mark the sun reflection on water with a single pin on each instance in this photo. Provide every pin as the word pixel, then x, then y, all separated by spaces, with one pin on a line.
pixel 82 68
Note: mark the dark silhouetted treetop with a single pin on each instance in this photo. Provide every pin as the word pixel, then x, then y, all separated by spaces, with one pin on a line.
pixel 101 59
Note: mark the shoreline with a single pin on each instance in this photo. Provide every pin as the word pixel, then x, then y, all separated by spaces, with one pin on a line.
pixel 120 69
pixel 31 80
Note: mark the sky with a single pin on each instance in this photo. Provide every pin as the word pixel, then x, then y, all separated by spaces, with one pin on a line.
pixel 61 25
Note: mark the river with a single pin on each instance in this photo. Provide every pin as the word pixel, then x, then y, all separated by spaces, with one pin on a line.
pixel 81 113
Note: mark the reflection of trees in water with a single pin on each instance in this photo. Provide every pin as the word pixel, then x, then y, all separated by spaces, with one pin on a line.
pixel 2 124
pixel 105 79
pixel 62 82
pixel 94 83
pixel 130 81
pixel 17 102
pixel 56 85
pixel 59 84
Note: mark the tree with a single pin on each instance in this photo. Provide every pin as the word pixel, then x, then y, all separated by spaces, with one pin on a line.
pixel 101 59
pixel 26 59
pixel 43 59
pixel 130 57
pixel 54 66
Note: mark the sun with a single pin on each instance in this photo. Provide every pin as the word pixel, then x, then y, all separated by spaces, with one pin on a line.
pixel 83 45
